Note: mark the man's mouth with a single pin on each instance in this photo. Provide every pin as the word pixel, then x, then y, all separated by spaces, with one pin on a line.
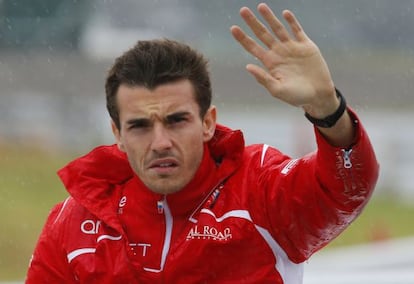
pixel 163 166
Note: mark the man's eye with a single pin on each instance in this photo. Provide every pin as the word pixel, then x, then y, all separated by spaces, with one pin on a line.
pixel 138 125
pixel 176 119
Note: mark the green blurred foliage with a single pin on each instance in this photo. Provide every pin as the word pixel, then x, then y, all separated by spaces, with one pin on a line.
pixel 29 187
pixel 385 217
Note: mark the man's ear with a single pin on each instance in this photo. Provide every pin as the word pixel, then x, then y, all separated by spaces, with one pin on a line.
pixel 117 135
pixel 209 123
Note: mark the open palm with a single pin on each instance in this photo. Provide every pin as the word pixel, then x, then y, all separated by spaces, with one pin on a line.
pixel 294 69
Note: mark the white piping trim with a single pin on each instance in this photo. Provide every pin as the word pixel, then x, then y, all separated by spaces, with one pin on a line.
pixel 289 166
pixel 152 270
pixel 79 252
pixel 167 240
pixel 264 150
pixel 291 273
pixel 244 214
pixel 168 233
pixel 61 209
pixel 108 237
pixel 191 218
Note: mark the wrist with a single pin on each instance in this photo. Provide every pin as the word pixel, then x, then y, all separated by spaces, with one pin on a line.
pixel 331 119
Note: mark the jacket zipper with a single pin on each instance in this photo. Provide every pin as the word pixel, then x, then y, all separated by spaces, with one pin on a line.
pixel 347 158
pixel 160 206
pixel 211 199
pixel 163 208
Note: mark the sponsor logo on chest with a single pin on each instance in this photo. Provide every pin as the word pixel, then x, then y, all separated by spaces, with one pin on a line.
pixel 209 232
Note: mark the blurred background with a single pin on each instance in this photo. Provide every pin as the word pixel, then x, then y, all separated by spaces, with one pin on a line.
pixel 54 55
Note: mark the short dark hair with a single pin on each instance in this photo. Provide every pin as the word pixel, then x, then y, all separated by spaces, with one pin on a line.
pixel 151 63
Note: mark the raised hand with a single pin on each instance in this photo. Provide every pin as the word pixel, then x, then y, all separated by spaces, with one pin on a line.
pixel 294 69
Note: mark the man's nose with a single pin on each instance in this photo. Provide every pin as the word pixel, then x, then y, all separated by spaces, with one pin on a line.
pixel 161 140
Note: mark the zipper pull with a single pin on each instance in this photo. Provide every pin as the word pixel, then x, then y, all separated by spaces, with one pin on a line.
pixel 213 198
pixel 347 158
pixel 160 206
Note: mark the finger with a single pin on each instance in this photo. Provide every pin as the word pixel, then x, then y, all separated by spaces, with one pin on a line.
pixel 264 78
pixel 247 42
pixel 295 26
pixel 277 27
pixel 260 30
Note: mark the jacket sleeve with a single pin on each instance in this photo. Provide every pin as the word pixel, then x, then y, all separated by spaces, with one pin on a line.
pixel 49 261
pixel 311 200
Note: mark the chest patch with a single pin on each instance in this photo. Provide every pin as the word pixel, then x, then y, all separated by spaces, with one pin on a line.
pixel 209 232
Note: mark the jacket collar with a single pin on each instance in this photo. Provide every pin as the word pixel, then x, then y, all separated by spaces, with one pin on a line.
pixel 94 179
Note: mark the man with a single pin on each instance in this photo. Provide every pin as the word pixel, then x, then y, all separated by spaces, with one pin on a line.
pixel 180 199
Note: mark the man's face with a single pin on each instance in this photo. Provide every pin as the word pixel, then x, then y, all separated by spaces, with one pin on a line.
pixel 162 133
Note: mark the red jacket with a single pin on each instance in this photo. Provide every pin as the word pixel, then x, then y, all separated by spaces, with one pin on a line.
pixel 250 215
